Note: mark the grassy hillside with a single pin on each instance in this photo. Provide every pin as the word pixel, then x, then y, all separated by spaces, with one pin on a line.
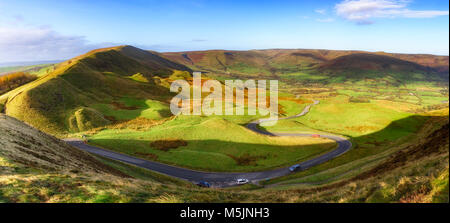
pixel 30 147
pixel 99 77
pixel 36 167
pixel 14 80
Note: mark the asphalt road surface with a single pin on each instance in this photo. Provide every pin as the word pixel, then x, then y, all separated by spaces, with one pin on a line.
pixel 223 179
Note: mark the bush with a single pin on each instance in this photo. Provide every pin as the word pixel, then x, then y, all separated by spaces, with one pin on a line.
pixel 359 100
pixel 14 80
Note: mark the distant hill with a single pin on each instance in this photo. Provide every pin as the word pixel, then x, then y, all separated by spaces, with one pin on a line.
pixel 29 63
pixel 276 62
pixel 365 65
pixel 32 69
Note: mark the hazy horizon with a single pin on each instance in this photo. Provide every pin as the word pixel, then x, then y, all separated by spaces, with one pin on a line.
pixel 38 62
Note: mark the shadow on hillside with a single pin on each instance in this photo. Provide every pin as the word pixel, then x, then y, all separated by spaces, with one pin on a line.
pixel 247 154
pixel 130 112
pixel 213 153
pixel 396 130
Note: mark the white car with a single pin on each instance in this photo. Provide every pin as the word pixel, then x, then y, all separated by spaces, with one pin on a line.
pixel 242 181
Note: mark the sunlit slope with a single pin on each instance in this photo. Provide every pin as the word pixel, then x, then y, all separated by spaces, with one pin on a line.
pixel 30 147
pixel 100 76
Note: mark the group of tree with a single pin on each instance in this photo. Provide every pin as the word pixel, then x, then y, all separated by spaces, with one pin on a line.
pixel 14 80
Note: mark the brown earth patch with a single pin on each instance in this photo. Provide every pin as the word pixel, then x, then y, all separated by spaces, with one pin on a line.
pixel 361 128
pixel 296 100
pixel 110 118
pixel 246 159
pixel 137 124
pixel 149 156
pixel 168 144
pixel 120 106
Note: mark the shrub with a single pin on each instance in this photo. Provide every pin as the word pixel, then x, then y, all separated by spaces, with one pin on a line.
pixel 247 159
pixel 359 100
pixel 14 80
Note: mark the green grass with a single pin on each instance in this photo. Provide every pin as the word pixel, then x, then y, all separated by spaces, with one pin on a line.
pixel 337 115
pixel 247 69
pixel 304 76
pixel 373 130
pixel 210 142
pixel 150 109
pixel 291 108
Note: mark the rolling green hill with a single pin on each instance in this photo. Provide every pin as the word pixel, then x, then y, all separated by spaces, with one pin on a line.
pixel 58 101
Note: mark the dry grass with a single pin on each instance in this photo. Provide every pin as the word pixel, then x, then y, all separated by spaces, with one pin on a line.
pixel 247 159
pixel 149 156
pixel 14 80
pixel 168 144
pixel 121 106
pixel 28 146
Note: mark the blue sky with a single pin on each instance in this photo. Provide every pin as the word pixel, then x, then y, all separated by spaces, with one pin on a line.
pixel 48 29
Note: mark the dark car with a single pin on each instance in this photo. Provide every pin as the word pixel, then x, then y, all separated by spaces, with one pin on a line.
pixel 295 168
pixel 203 184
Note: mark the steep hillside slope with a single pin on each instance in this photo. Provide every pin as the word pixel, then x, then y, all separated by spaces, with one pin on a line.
pixel 100 76
pixel 30 147
pixel 417 173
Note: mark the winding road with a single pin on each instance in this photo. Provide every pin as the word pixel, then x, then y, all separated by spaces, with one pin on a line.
pixel 223 179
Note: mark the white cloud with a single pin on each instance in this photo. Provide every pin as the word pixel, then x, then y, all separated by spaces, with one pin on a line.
pixel 321 11
pixel 363 11
pixel 25 43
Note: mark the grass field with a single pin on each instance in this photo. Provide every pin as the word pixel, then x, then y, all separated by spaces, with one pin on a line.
pixel 131 108
pixel 213 144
